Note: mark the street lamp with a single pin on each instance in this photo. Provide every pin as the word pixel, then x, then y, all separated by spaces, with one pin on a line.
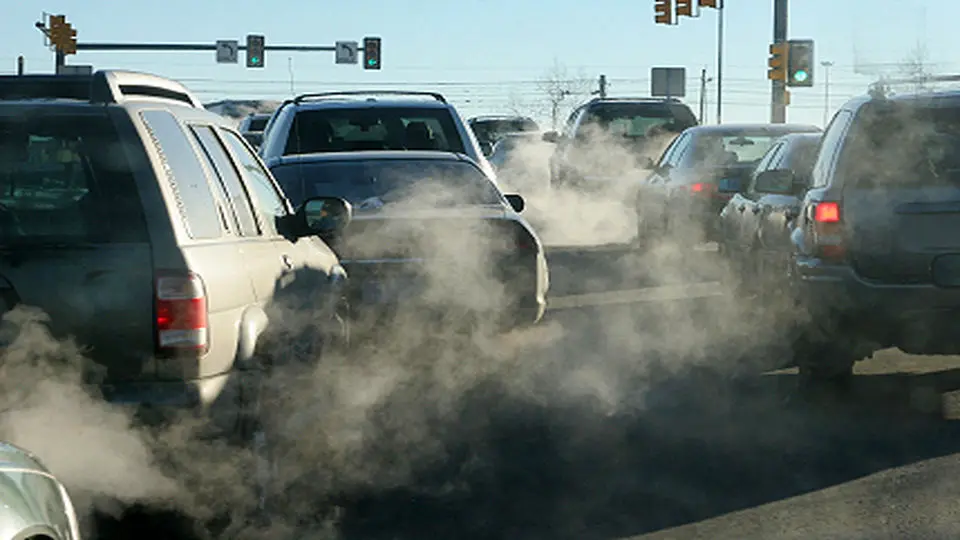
pixel 826 90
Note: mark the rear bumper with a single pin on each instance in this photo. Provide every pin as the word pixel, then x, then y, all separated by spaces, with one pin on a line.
pixel 922 319
pixel 162 402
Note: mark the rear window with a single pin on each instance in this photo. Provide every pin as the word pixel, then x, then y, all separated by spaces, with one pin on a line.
pixel 257 124
pixel 373 128
pixel 65 178
pixel 903 144
pixel 492 130
pixel 730 149
pixel 366 183
pixel 638 119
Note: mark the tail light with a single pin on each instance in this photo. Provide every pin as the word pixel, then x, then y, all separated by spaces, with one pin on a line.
pixel 828 230
pixel 703 187
pixel 181 313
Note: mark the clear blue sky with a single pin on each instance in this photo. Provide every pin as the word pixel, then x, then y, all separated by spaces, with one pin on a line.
pixel 487 55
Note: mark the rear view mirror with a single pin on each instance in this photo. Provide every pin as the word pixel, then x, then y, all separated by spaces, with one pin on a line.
pixel 325 216
pixel 776 181
pixel 516 202
pixel 551 137
pixel 730 185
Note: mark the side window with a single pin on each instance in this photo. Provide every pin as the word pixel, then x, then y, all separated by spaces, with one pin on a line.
pixel 672 155
pixel 828 148
pixel 186 176
pixel 572 123
pixel 268 199
pixel 229 179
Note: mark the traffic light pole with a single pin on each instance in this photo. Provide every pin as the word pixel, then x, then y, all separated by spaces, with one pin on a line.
pixel 778 91
pixel 195 47
pixel 719 62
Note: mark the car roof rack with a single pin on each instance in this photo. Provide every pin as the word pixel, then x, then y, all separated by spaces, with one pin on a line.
pixel 646 98
pixel 105 86
pixel 328 95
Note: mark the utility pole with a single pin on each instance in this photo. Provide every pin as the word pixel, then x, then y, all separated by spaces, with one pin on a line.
pixel 703 94
pixel 602 90
pixel 20 65
pixel 826 90
pixel 720 60
pixel 778 90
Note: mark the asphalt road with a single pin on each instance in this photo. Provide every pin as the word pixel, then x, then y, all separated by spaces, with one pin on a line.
pixel 635 411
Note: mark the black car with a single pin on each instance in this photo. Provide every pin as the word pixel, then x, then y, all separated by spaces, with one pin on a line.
pixel 697 174
pixel 602 134
pixel 429 229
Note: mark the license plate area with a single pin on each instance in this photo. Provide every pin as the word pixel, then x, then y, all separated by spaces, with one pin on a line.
pixel 945 271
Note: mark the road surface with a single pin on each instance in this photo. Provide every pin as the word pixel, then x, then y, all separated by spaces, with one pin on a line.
pixel 630 419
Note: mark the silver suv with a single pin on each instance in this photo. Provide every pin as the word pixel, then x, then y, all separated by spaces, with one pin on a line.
pixel 369 120
pixel 148 230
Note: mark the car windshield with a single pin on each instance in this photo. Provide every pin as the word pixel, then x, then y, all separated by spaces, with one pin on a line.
pixel 375 182
pixel 373 128
pixel 732 149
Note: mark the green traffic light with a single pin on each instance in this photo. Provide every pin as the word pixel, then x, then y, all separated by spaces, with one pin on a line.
pixel 371 62
pixel 800 76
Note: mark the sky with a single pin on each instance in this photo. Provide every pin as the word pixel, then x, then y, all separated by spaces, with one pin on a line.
pixel 493 56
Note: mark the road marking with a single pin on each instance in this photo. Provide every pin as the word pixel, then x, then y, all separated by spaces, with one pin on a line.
pixel 665 293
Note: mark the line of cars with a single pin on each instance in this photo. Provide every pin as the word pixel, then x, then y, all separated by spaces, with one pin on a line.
pixel 846 237
pixel 186 263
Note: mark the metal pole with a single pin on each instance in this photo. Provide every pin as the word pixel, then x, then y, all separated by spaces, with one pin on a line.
pixel 826 91
pixel 59 62
pixel 703 93
pixel 778 106
pixel 720 61
pixel 20 65
pixel 603 86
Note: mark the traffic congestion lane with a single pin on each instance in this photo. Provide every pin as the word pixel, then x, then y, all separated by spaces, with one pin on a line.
pixel 685 443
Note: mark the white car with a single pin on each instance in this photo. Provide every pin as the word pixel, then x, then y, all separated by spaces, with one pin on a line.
pixel 33 503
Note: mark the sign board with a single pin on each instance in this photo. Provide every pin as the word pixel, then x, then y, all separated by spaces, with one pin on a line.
pixel 668 82
pixel 346 52
pixel 227 51
pixel 75 70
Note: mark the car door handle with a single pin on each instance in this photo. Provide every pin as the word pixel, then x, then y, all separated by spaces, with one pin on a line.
pixel 287 262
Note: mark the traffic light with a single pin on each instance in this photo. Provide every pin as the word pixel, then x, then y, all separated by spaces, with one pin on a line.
pixel 778 61
pixel 256 45
pixel 710 3
pixel 800 63
pixel 62 35
pixel 371 53
pixel 684 8
pixel 664 12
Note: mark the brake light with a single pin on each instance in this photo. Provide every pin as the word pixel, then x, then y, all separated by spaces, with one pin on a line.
pixel 181 313
pixel 828 230
pixel 702 187
pixel 827 212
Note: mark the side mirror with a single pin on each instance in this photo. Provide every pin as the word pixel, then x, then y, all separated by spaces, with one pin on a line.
pixel 325 217
pixel 516 202
pixel 486 148
pixel 730 185
pixel 776 181
pixel 551 137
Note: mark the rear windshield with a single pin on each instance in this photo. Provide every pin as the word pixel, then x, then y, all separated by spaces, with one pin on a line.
pixel 905 145
pixel 493 130
pixel 366 183
pixel 374 128
pixel 801 156
pixel 257 124
pixel 65 178
pixel 637 119
pixel 730 149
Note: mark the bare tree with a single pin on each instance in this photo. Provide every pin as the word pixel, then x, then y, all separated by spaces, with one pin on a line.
pixel 559 86
pixel 519 106
pixel 915 66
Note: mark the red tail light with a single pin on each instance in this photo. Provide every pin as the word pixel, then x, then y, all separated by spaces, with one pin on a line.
pixel 181 313
pixel 828 230
pixel 703 187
